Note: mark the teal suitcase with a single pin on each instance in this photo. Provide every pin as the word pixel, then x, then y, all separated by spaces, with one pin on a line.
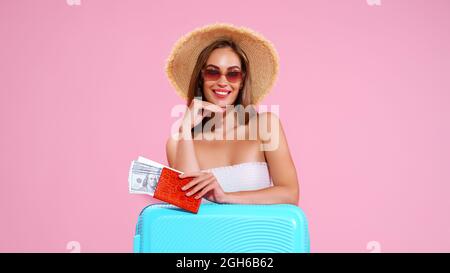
pixel 222 228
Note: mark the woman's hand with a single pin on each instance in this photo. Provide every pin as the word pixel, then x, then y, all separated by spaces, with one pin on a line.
pixel 196 111
pixel 205 185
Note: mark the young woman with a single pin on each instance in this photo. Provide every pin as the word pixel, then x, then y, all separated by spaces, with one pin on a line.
pixel 223 71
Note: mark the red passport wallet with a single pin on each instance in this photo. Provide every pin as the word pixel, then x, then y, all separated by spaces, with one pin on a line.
pixel 168 189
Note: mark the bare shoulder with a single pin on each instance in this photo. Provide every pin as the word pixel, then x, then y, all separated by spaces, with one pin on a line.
pixel 269 122
pixel 268 116
pixel 171 148
pixel 265 117
pixel 270 130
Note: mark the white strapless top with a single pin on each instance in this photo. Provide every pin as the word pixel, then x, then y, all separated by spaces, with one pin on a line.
pixel 242 177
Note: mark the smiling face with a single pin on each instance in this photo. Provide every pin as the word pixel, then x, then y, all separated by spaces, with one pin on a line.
pixel 222 92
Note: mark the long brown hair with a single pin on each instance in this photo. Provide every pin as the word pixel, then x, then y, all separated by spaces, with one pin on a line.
pixel 244 97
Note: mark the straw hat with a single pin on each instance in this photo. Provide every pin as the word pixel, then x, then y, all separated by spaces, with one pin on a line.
pixel 262 57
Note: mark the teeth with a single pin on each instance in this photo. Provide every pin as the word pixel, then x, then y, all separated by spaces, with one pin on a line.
pixel 221 92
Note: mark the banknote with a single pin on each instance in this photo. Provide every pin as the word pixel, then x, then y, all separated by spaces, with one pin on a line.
pixel 144 175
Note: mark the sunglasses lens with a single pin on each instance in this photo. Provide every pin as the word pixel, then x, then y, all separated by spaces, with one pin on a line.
pixel 211 75
pixel 214 75
pixel 234 76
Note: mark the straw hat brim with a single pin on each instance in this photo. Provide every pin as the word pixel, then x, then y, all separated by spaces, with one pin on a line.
pixel 262 56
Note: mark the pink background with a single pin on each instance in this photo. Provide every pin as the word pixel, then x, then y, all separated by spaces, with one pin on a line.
pixel 364 95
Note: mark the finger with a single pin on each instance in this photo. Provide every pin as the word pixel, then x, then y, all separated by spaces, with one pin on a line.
pixel 204 191
pixel 206 112
pixel 215 108
pixel 189 174
pixel 199 186
pixel 196 103
pixel 212 107
pixel 195 181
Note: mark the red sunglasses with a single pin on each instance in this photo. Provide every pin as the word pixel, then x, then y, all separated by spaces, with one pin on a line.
pixel 210 74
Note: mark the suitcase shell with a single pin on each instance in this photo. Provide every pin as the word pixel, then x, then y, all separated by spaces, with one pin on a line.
pixel 222 228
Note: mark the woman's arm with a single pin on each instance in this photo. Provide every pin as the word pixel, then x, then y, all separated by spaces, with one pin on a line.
pixel 180 147
pixel 181 154
pixel 281 168
pixel 271 195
